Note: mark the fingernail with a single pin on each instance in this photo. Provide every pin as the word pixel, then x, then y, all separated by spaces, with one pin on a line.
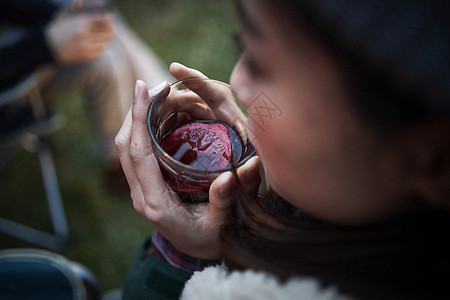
pixel 252 169
pixel 227 188
pixel 138 88
pixel 177 64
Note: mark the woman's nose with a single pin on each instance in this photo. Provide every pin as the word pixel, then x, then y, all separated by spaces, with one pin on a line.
pixel 239 85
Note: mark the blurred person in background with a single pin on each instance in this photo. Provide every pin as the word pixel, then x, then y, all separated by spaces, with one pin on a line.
pixel 81 46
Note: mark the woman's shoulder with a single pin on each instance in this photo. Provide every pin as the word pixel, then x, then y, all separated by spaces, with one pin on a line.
pixel 218 283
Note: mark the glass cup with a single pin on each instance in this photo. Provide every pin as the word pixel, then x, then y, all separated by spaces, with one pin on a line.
pixel 191 102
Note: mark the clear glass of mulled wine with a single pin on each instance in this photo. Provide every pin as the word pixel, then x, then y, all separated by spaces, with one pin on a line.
pixel 198 131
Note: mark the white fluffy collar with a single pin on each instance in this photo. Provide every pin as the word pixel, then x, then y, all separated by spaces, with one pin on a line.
pixel 217 283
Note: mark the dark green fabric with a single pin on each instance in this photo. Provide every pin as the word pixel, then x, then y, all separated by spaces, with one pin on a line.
pixel 153 278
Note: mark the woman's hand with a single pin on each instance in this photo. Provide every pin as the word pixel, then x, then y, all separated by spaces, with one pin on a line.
pixel 191 228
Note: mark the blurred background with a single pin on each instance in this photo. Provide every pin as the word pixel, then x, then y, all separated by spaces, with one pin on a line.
pixel 105 231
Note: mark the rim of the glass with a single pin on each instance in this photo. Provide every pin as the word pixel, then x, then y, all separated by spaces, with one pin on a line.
pixel 229 167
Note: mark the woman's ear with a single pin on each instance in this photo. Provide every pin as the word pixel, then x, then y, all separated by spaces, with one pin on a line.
pixel 426 159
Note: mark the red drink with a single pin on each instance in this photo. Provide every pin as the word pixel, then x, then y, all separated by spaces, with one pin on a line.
pixel 203 145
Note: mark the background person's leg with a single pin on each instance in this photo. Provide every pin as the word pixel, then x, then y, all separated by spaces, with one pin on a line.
pixel 108 84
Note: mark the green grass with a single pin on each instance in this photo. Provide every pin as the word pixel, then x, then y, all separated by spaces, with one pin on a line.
pixel 105 230
pixel 195 33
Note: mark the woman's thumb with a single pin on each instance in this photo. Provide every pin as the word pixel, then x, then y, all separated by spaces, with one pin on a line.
pixel 221 194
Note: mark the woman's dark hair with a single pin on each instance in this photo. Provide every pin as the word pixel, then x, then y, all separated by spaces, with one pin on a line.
pixel 402 257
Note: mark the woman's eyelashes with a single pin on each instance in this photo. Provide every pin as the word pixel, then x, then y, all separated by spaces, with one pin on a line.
pixel 250 65
pixel 247 59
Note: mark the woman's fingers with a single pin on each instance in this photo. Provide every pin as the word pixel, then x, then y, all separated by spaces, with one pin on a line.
pixel 212 93
pixel 189 102
pixel 122 143
pixel 215 94
pixel 181 72
pixel 250 177
pixel 141 152
pixel 132 138
pixel 221 195
pixel 223 189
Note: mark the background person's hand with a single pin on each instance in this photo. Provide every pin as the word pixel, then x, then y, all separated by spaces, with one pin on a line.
pixel 191 228
pixel 79 38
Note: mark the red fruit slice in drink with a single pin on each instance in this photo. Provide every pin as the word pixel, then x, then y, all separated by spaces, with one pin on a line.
pixel 201 145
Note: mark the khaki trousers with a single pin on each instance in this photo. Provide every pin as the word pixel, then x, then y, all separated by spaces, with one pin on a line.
pixel 107 83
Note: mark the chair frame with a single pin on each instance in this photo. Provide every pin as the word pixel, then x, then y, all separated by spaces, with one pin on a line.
pixel 34 139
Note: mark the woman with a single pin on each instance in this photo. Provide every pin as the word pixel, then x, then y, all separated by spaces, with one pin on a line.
pixel 358 160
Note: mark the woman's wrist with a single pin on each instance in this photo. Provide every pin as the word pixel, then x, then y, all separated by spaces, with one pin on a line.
pixel 176 258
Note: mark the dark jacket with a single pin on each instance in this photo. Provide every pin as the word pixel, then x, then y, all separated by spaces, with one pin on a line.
pixel 26 49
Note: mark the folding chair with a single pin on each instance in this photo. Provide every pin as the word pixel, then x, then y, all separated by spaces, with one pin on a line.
pixel 40 274
pixel 29 129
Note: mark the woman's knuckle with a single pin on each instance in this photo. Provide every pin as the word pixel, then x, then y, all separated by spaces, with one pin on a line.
pixel 135 155
pixel 119 144
pixel 153 215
